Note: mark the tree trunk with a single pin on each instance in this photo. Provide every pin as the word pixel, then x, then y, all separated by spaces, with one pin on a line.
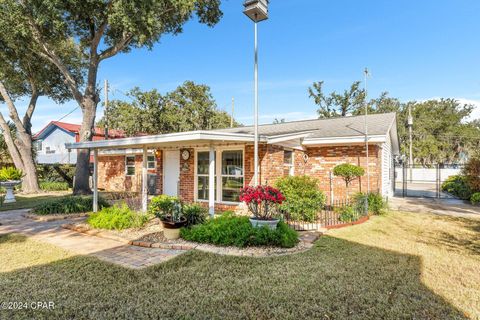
pixel 30 180
pixel 82 170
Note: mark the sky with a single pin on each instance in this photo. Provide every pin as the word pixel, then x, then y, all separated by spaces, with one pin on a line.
pixel 415 50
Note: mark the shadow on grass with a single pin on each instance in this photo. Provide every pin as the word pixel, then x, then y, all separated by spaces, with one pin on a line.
pixel 337 279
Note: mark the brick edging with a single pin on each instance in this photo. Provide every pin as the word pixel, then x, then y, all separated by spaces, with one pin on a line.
pixel 359 221
pixel 161 245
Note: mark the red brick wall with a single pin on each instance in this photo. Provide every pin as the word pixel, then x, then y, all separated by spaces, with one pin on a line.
pixel 187 178
pixel 112 174
pixel 322 160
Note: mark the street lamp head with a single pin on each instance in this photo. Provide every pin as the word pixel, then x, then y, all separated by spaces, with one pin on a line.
pixel 257 10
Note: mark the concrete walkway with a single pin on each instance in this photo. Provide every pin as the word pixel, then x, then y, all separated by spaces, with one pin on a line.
pixel 104 249
pixel 450 207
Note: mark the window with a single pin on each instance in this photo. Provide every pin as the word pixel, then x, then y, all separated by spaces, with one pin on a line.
pixel 288 161
pixel 39 145
pixel 151 164
pixel 232 175
pixel 229 175
pixel 203 165
pixel 130 165
pixel 49 151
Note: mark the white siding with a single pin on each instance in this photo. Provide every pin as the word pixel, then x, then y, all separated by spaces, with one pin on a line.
pixel 387 168
pixel 58 153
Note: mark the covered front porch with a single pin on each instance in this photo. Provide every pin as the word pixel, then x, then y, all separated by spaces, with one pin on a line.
pixel 201 166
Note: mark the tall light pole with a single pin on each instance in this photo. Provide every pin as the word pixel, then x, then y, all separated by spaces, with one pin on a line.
pixel 366 73
pixel 410 153
pixel 256 10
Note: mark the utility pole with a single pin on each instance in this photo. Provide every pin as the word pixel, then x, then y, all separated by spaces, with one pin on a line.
pixel 233 111
pixel 410 128
pixel 366 74
pixel 105 112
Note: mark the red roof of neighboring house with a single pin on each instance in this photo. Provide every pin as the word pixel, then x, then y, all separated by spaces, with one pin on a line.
pixel 99 133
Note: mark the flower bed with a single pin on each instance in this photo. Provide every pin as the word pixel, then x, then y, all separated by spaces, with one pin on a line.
pixel 230 230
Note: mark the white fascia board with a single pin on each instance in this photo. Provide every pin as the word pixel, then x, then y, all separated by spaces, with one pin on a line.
pixel 136 142
pixel 344 140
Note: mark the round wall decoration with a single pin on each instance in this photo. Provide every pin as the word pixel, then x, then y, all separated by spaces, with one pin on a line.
pixel 305 157
pixel 185 154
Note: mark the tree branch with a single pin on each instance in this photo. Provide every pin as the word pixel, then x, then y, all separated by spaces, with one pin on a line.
pixel 52 56
pixel 27 119
pixel 113 50
pixel 12 148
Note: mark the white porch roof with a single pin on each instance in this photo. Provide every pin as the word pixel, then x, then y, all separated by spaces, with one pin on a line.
pixel 165 140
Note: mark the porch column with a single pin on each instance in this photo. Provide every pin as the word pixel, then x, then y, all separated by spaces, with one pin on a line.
pixel 144 180
pixel 211 182
pixel 95 180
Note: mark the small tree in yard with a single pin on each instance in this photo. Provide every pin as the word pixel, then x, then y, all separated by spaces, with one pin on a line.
pixel 348 172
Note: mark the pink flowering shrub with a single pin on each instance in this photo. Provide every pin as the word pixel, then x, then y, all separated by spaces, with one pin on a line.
pixel 262 201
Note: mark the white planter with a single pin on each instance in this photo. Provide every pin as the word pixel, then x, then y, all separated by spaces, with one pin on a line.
pixel 272 224
pixel 9 185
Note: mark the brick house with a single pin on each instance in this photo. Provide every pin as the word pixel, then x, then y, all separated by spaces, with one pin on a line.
pixel 179 163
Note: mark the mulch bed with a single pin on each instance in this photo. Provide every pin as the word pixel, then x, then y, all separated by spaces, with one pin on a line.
pixel 151 236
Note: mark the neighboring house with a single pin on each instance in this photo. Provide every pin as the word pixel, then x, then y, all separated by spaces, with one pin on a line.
pixel 179 163
pixel 50 142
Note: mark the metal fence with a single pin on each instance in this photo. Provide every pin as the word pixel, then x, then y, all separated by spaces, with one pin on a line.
pixel 340 213
pixel 424 181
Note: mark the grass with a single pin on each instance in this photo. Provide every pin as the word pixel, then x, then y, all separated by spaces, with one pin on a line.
pixel 397 266
pixel 29 201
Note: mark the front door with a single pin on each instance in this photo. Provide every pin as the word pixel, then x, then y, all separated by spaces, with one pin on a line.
pixel 171 172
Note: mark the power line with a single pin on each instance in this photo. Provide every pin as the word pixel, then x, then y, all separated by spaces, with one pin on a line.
pixel 66 115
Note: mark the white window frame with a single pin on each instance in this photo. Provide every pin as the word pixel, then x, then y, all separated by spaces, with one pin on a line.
pixel 153 162
pixel 291 166
pixel 202 174
pixel 218 167
pixel 130 165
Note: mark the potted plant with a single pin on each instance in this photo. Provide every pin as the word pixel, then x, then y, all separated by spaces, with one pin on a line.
pixel 170 212
pixel 9 178
pixel 262 202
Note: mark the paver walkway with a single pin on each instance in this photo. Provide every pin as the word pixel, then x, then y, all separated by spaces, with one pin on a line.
pixel 451 207
pixel 104 249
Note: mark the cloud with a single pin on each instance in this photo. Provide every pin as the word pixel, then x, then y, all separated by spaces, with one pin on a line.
pixel 476 103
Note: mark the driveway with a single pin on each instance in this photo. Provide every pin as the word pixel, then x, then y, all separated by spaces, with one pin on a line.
pixel 450 207
pixel 104 249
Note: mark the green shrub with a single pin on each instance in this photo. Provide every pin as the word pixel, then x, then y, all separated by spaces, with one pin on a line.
pixel 228 230
pixel 117 217
pixel 475 199
pixel 163 205
pixel 376 203
pixel 348 172
pixel 68 205
pixel 303 199
pixel 458 187
pixel 195 213
pixel 10 173
pixel 54 186
pixel 348 214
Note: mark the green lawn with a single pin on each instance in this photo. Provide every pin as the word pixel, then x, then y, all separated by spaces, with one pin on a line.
pixel 29 201
pixel 400 266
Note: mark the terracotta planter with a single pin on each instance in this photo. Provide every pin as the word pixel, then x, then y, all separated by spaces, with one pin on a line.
pixel 9 185
pixel 271 224
pixel 171 229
